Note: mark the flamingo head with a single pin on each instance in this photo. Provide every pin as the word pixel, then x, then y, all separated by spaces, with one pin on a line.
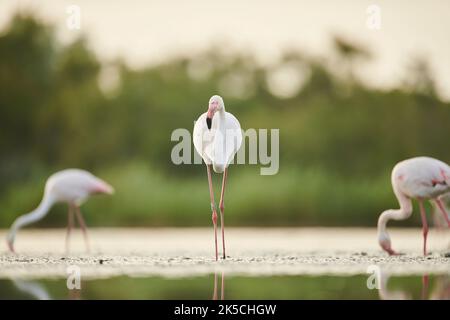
pixel 385 243
pixel 215 104
pixel 102 187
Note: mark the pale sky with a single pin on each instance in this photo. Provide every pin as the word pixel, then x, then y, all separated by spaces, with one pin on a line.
pixel 153 30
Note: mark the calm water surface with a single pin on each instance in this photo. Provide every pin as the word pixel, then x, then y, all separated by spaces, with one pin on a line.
pixel 219 286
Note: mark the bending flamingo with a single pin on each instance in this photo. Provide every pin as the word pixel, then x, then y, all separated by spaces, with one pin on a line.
pixel 217 137
pixel 420 178
pixel 72 186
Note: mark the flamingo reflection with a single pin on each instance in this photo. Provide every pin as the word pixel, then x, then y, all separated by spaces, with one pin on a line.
pixel 222 287
pixel 32 288
pixel 441 289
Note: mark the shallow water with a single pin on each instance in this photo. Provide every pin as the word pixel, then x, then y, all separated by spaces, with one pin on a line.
pixel 219 286
pixel 271 263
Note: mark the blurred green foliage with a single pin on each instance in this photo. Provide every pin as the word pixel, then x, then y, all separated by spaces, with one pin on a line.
pixel 339 139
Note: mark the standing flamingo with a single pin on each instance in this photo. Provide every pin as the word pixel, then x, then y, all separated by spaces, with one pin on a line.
pixel 420 178
pixel 217 137
pixel 72 186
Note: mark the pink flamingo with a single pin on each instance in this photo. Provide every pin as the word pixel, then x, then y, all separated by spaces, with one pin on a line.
pixel 72 186
pixel 217 137
pixel 420 178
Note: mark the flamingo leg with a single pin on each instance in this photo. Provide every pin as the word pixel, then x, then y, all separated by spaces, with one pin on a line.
pixel 213 208
pixel 425 226
pixel 222 207
pixel 443 211
pixel 83 227
pixel 69 226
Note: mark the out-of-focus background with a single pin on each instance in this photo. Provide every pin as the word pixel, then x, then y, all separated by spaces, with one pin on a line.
pixel 349 101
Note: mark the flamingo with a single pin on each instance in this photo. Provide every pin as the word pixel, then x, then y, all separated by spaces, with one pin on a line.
pixel 217 137
pixel 72 186
pixel 420 178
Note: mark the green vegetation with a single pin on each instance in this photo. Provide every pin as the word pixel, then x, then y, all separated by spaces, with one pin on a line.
pixel 339 139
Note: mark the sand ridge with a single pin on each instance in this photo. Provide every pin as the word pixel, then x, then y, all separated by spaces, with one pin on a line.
pixel 179 252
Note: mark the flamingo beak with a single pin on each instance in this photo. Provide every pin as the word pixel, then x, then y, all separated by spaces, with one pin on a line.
pixel 10 246
pixel 209 122
pixel 104 188
pixel 210 114
pixel 387 247
pixel 108 189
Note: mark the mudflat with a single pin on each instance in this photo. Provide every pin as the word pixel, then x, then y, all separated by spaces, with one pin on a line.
pixel 179 252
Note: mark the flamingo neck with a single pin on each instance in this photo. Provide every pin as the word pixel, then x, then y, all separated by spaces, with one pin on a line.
pixel 31 217
pixel 395 214
pixel 386 216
